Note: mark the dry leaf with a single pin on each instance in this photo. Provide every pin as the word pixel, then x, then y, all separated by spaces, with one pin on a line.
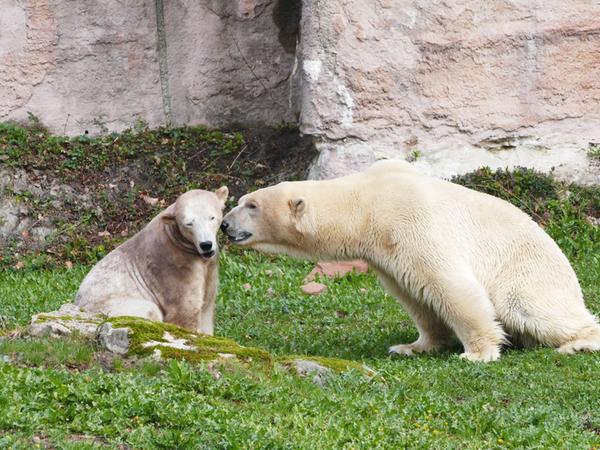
pixel 149 200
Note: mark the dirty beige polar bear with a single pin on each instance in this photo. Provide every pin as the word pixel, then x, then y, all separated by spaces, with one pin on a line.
pixel 458 260
pixel 166 272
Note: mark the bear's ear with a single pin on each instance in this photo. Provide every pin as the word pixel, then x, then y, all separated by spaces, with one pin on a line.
pixel 222 193
pixel 168 215
pixel 297 206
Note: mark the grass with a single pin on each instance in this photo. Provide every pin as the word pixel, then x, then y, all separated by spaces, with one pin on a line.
pixel 529 399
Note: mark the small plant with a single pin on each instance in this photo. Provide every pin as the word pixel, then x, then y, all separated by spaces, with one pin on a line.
pixel 525 188
pixel 100 122
pixel 413 156
pixel 283 126
pixel 594 150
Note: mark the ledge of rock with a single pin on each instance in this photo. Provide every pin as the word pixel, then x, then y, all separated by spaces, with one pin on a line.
pixel 68 319
pixel 320 368
pixel 133 337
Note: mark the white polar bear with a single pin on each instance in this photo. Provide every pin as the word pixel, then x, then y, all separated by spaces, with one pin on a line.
pixel 459 261
pixel 168 271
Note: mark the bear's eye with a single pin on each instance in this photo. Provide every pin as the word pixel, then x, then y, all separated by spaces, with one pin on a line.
pixel 189 224
pixel 251 205
pixel 211 218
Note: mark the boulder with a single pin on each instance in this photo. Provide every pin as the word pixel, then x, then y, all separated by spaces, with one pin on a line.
pixel 319 369
pixel 307 368
pixel 115 340
pixel 131 337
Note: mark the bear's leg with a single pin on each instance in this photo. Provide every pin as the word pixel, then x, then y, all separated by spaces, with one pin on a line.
pixel 133 307
pixel 550 313
pixel 207 318
pixel 433 332
pixel 467 309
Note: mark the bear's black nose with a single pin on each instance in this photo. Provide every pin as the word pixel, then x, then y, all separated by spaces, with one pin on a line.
pixel 206 245
pixel 224 226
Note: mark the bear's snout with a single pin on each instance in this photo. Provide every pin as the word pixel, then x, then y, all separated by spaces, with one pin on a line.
pixel 206 245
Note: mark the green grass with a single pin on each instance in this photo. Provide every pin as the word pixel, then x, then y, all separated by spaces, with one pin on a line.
pixel 529 399
pixel 72 351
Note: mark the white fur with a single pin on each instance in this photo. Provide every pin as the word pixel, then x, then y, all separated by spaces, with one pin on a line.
pixel 459 261
pixel 159 274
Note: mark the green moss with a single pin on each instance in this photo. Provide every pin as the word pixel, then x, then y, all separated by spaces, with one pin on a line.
pixel 337 365
pixel 41 318
pixel 208 347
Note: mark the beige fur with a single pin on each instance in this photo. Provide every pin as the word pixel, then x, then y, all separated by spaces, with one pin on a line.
pixel 459 261
pixel 163 273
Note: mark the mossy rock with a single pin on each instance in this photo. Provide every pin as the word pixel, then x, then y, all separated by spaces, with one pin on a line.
pixel 175 342
pixel 335 365
pixel 68 319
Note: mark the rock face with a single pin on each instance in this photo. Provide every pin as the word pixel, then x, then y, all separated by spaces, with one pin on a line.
pixel 68 319
pixel 98 66
pixel 17 220
pixel 452 85
pixel 115 340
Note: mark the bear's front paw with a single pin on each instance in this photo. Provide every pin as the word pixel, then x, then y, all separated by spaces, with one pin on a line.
pixel 404 350
pixel 486 355
pixel 412 349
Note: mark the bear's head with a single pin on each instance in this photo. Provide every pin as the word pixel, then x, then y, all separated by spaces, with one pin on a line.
pixel 269 219
pixel 197 215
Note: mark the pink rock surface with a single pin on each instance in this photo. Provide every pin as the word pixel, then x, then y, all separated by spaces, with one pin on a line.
pixel 313 288
pixel 337 269
pixel 459 84
pixel 98 66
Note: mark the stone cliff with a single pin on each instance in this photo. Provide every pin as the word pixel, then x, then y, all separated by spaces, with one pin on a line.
pixel 451 85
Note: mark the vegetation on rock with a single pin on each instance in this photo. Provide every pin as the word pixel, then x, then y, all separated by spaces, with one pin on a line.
pixel 95 192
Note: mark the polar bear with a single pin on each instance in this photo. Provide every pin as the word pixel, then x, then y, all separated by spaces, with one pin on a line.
pixel 166 272
pixel 459 261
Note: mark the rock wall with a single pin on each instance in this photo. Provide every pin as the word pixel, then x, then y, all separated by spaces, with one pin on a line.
pixel 450 84
pixel 453 84
pixel 84 65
